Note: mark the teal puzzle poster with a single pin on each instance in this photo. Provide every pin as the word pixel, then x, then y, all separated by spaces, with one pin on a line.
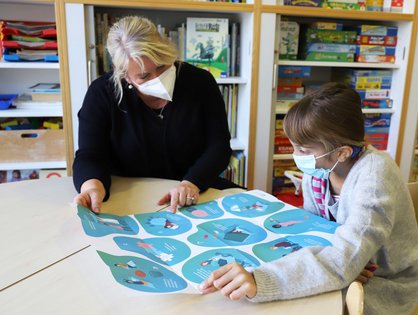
pixel 163 252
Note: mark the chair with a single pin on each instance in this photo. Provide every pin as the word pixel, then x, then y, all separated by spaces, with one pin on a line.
pixel 354 300
pixel 413 190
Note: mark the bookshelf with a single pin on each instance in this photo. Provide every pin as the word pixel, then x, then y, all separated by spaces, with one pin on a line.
pixel 45 149
pixel 79 24
pixel 271 15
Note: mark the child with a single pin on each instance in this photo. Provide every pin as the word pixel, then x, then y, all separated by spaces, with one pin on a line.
pixel 356 186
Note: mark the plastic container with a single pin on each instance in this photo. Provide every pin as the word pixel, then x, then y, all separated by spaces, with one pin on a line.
pixel 6 100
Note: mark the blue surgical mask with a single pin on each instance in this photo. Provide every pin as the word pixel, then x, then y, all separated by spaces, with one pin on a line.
pixel 307 164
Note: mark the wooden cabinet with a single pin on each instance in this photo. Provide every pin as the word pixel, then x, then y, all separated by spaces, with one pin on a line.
pixel 39 148
pixel 271 15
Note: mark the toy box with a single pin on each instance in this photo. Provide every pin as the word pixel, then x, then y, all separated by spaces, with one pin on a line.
pixel 324 47
pixel 344 6
pixel 374 5
pixel 289 40
pixel 374 94
pixel 6 100
pixel 330 56
pixel 327 26
pixel 377 40
pixel 331 36
pixel 375 50
pixel 304 3
pixel 375 58
pixel 294 81
pixel 382 103
pixel 379 30
pixel 294 71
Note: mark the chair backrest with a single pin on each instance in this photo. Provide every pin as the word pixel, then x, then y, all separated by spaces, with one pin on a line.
pixel 354 300
pixel 413 190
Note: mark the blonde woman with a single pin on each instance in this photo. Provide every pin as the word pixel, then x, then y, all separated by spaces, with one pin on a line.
pixel 152 116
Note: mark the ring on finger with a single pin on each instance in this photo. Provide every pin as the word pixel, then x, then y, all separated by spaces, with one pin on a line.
pixel 190 198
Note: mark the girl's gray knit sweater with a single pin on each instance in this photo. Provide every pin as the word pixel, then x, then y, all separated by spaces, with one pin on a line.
pixel 377 224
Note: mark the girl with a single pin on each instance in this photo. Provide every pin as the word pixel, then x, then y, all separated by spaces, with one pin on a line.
pixel 356 186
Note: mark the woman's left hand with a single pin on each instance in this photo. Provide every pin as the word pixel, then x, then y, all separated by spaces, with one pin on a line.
pixel 232 280
pixel 185 194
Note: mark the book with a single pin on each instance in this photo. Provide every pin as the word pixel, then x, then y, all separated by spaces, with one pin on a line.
pixel 207 44
pixel 289 40
pixel 165 252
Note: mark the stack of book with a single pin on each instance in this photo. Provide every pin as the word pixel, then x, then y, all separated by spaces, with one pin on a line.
pixel 45 92
pixel 235 172
pixel 29 41
pixel 290 87
pixel 230 96
pixel 282 143
pixel 327 41
pixel 373 86
pixel 376 43
pixel 283 187
pixel 377 130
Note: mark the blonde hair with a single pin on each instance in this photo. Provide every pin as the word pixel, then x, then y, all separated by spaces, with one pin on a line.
pixel 135 37
pixel 330 116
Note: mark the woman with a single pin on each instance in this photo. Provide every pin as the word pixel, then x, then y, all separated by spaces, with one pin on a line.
pixel 152 116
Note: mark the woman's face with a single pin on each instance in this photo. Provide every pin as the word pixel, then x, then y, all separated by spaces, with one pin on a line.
pixel 149 72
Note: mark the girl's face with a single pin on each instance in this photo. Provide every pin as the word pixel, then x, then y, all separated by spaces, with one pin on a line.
pixel 316 150
pixel 150 71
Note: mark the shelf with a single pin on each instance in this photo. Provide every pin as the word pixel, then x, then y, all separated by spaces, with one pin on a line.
pixel 339 64
pixel 236 145
pixel 32 165
pixel 336 14
pixel 177 4
pixel 44 111
pixel 231 80
pixel 282 157
pixel 29 65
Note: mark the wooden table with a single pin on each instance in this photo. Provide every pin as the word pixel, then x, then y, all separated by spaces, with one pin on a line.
pixel 45 258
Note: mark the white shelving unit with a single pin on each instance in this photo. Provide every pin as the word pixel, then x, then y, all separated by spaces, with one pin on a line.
pixel 15 78
pixel 271 16
pixel 80 17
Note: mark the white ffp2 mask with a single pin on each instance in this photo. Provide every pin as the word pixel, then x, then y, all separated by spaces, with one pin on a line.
pixel 161 86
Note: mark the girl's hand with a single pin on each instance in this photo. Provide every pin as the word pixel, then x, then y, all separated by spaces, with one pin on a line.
pixel 367 273
pixel 185 194
pixel 91 195
pixel 232 280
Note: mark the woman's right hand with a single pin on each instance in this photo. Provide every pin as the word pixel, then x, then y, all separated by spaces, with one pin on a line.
pixel 91 195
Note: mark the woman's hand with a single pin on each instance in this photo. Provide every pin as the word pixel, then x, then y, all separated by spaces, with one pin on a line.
pixel 232 280
pixel 91 195
pixel 185 194
pixel 367 273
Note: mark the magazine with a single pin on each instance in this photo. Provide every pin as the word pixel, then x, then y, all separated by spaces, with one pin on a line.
pixel 165 252
pixel 207 44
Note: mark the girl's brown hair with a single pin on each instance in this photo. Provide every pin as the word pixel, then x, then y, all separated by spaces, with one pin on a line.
pixel 330 116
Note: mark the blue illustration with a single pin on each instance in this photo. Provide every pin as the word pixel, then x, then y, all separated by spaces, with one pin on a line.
pixel 283 246
pixel 163 223
pixel 142 275
pixel 249 206
pixel 201 266
pixel 206 210
pixel 104 224
pixel 166 251
pixel 298 221
pixel 227 232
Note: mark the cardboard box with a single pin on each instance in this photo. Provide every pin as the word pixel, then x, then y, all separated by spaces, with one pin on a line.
pixel 330 56
pixel 331 36
pixel 377 40
pixel 379 30
pixel 289 40
pixel 376 58
pixel 32 145
pixel 375 50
